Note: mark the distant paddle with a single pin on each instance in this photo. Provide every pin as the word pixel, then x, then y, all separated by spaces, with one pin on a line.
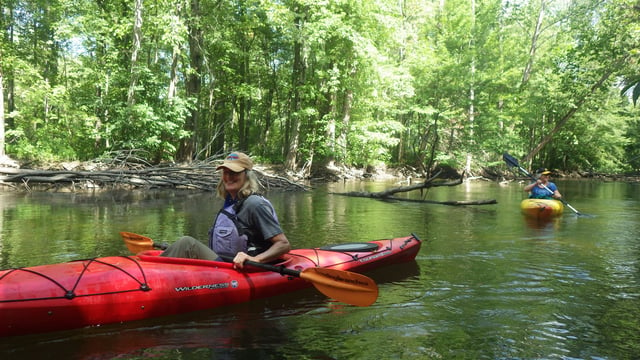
pixel 346 286
pixel 513 162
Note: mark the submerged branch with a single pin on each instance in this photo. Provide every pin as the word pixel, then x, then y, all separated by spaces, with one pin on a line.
pixel 428 183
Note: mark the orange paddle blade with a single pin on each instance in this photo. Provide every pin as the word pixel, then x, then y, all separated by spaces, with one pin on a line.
pixel 345 286
pixel 136 243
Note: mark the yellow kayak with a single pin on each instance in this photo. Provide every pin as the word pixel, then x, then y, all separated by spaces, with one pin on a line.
pixel 541 208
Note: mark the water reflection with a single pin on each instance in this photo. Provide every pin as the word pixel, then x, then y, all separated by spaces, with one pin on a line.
pixel 486 284
pixel 548 225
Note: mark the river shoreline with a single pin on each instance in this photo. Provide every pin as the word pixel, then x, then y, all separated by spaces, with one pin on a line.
pixel 201 176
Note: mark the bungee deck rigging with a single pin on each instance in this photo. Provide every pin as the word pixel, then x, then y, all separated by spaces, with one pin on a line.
pixel 70 293
pixel 118 289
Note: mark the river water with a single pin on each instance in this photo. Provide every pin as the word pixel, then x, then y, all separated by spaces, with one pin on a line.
pixel 487 284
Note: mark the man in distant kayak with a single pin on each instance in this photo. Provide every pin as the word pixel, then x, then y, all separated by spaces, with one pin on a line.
pixel 246 228
pixel 543 188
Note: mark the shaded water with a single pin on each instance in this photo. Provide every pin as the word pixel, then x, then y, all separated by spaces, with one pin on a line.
pixel 486 285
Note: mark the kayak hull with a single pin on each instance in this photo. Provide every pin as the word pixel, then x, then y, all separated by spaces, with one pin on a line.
pixel 541 208
pixel 118 289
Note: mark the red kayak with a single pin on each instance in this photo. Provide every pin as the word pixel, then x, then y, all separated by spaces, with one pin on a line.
pixel 117 289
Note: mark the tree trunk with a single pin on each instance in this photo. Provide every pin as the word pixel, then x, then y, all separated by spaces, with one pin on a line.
pixel 330 131
pixel 137 41
pixel 534 44
pixel 244 102
pixel 7 24
pixel 193 84
pixel 472 90
pixel 292 149
pixel 172 92
pixel 346 123
pixel 173 74
pixel 572 112
pixel 1 110
pixel 429 137
pixel 296 106
pixel 268 105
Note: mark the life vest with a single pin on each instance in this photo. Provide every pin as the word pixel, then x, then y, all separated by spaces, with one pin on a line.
pixel 543 193
pixel 229 234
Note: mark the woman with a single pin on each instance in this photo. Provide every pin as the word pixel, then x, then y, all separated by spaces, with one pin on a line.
pixel 246 228
pixel 543 188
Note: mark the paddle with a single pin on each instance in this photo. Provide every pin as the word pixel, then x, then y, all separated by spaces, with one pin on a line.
pixel 345 286
pixel 137 243
pixel 513 162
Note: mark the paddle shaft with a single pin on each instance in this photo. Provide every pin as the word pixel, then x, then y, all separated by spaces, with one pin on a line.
pixel 279 269
pixel 513 162
pixel 551 191
pixel 348 287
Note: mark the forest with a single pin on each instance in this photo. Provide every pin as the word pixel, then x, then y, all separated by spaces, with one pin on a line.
pixel 316 83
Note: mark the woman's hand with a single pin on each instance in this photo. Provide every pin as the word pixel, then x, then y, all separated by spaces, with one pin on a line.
pixel 240 258
pixel 279 247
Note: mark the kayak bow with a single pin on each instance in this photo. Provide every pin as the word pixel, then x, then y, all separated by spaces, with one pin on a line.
pixel 541 208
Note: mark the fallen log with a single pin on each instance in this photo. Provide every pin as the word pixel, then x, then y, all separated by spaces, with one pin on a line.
pixel 428 183
pixel 453 203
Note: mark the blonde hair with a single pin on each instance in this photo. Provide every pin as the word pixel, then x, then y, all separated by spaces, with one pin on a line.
pixel 251 185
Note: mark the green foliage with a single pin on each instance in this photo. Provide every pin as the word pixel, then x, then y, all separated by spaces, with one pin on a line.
pixel 52 144
pixel 374 141
pixel 632 88
pixel 357 82
pixel 632 150
pixel 151 129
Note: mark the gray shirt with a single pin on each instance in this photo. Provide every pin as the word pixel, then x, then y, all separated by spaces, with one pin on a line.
pixel 259 218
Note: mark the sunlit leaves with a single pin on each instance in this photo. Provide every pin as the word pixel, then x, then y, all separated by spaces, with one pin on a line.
pixel 415 81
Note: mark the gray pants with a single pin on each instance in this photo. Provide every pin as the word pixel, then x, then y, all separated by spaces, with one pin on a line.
pixel 188 247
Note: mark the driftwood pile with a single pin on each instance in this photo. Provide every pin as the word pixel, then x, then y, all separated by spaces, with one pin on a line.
pixel 195 177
